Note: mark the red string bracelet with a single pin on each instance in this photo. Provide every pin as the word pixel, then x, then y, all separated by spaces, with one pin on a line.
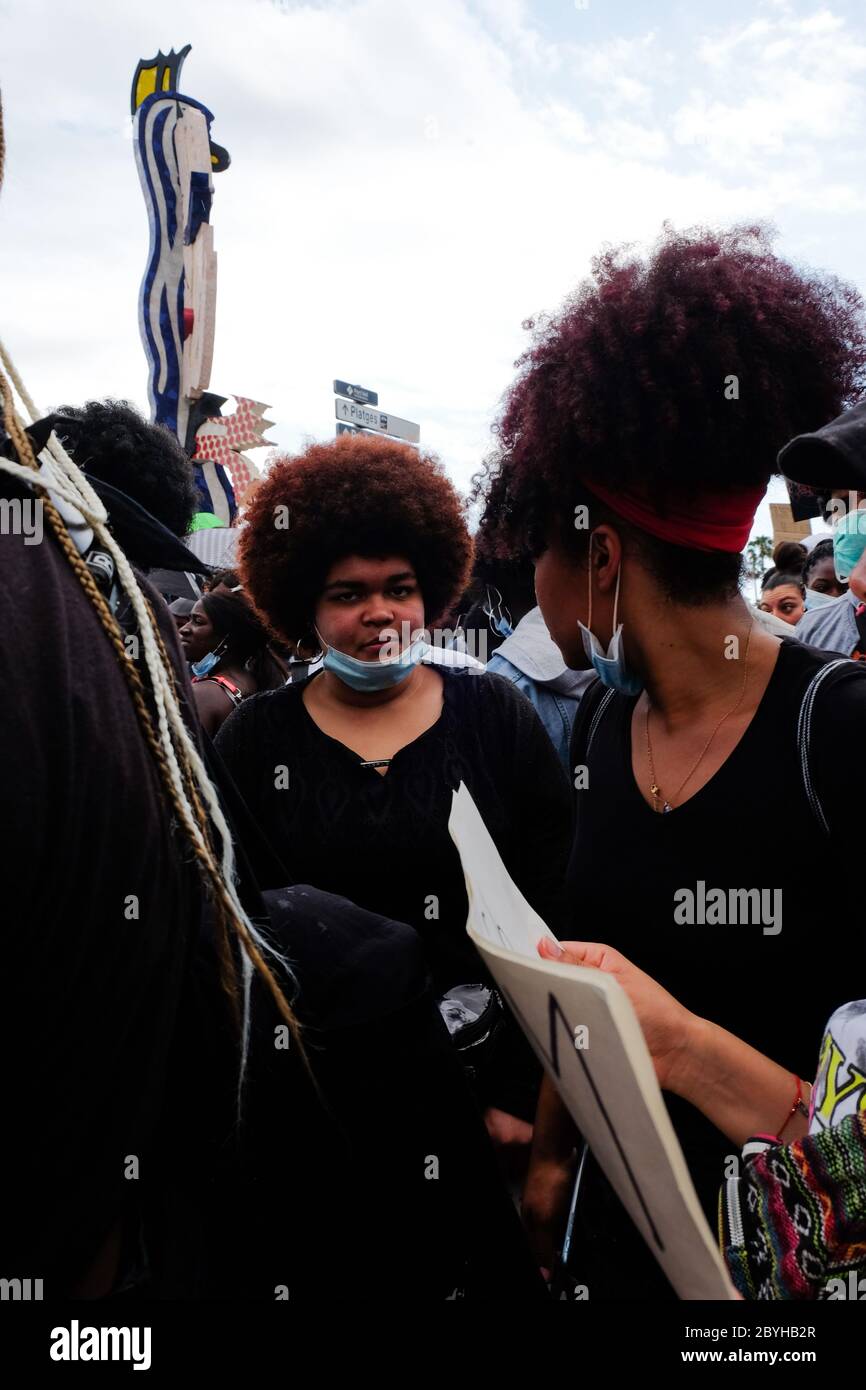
pixel 798 1105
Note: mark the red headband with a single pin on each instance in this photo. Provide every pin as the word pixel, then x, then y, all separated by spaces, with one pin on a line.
pixel 712 521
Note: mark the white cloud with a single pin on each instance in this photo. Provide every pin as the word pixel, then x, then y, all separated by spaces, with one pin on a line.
pixel 776 88
pixel 511 22
pixel 620 71
pixel 408 184
pixel 718 50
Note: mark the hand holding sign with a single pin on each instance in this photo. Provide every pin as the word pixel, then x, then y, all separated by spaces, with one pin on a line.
pixel 584 1028
pixel 664 1022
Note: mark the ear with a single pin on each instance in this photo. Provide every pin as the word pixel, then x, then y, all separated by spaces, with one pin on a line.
pixel 605 557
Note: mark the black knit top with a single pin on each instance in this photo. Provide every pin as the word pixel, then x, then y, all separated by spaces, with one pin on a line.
pixel 383 841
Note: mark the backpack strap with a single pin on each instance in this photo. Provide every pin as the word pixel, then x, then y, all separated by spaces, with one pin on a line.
pixel 590 710
pixel 598 715
pixel 233 691
pixel 841 667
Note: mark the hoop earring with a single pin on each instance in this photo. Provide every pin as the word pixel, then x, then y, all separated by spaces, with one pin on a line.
pixel 310 659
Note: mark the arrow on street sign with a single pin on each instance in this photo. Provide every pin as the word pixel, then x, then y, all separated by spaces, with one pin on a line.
pixel 369 419
pixel 360 394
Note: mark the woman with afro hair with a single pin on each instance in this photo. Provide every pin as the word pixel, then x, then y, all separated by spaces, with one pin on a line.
pixel 633 450
pixel 357 547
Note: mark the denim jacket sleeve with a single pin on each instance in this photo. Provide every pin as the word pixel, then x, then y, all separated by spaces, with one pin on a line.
pixel 556 712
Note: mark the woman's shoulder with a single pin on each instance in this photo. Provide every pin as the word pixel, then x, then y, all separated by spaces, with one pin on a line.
pixel 801 665
pixel 829 695
pixel 257 713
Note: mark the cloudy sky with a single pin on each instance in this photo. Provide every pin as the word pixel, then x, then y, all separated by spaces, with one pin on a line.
pixel 409 182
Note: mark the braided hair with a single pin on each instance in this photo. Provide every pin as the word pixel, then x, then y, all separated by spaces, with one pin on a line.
pixel 184 778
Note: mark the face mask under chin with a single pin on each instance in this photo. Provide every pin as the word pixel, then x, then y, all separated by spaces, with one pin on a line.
pixel 369 676
pixel 610 666
pixel 209 661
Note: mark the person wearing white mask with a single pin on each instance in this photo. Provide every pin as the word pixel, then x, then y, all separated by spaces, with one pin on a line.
pixel 840 626
pixel 823 585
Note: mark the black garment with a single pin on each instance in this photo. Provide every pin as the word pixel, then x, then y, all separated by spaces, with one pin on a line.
pixel 116 1041
pixel 101 909
pixel 832 457
pixel 750 827
pixel 400 1196
pixel 383 842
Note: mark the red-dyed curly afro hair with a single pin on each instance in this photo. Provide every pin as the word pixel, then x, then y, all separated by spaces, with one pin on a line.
pixel 357 495
pixel 626 385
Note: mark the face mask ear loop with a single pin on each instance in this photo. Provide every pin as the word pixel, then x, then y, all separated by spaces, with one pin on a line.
pixel 616 595
pixel 589 584
pixel 493 610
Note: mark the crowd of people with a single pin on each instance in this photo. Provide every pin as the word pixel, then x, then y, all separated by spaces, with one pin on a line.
pixel 258 1054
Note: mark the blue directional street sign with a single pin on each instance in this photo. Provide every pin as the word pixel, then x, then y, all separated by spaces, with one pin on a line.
pixel 360 394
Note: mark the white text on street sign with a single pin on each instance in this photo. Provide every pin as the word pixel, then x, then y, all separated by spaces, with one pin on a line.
pixel 362 394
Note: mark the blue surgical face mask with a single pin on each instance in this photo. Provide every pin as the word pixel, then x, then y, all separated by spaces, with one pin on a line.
pixel 373 675
pixel 610 666
pixel 503 626
pixel 208 662
pixel 849 542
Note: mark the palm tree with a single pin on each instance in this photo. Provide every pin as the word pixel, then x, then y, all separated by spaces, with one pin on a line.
pixel 758 551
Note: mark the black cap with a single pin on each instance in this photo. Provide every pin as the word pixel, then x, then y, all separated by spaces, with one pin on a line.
pixel 833 457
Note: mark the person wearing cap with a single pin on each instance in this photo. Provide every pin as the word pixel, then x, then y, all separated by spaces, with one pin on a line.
pixel 633 451
pixel 180 609
pixel 832 462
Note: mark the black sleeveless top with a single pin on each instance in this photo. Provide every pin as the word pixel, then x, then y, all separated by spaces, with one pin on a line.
pixel 750 827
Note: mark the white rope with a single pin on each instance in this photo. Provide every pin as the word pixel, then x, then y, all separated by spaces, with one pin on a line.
pixel 73 487
pixel 12 373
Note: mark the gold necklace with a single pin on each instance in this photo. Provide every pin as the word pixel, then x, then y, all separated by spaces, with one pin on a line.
pixel 655 789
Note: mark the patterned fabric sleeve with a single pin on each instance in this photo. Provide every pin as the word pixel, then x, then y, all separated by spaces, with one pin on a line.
pixel 794 1225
